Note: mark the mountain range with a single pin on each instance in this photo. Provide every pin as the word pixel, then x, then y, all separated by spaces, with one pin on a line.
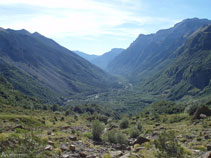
pixel 170 64
pixel 86 56
pixel 40 67
pixel 159 64
pixel 148 54
pixel 190 71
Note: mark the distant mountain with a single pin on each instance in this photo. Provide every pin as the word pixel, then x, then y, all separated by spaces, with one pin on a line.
pixel 86 56
pixel 190 72
pixel 38 66
pixel 149 54
pixel 103 60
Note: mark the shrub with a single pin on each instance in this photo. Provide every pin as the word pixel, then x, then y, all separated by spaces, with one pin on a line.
pixel 88 135
pixel 168 146
pixel 111 135
pixel 139 126
pixel 124 123
pixel 165 107
pixel 55 108
pixel 192 109
pixel 134 132
pixel 121 138
pixel 117 137
pixel 103 118
pixel 67 113
pixel 97 130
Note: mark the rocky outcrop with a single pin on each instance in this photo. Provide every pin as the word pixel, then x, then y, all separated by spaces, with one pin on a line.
pixel 202 110
pixel 139 140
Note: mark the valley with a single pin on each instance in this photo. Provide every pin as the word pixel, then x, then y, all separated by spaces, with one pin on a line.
pixel 151 100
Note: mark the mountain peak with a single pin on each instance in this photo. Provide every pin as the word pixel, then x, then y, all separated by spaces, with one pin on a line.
pixel 37 34
pixel 192 21
pixel 23 31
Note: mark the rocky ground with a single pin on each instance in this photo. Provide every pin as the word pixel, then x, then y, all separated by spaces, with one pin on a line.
pixel 53 134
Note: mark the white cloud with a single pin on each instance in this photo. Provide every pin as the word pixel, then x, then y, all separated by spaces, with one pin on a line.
pixel 79 18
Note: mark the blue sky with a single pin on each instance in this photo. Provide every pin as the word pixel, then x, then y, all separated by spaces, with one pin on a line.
pixel 97 26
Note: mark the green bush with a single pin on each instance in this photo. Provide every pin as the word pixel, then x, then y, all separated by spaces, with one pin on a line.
pixel 124 123
pixel 168 146
pixel 88 135
pixel 117 137
pixel 97 130
pixel 111 135
pixel 139 126
pixel 121 138
pixel 165 107
pixel 134 132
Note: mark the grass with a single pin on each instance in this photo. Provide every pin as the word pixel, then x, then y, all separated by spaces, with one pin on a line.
pixel 38 123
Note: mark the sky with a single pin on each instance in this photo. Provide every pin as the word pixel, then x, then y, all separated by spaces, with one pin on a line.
pixel 97 26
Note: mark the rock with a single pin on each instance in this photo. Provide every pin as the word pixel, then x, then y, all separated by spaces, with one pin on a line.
pixel 157 124
pixel 73 138
pixel 112 127
pixel 51 143
pixel 138 149
pixel 66 127
pixel 116 153
pixel 135 155
pixel 203 116
pixel 49 133
pixel 63 147
pixel 49 148
pixel 65 156
pixel 20 126
pixel 207 155
pixel 126 156
pixel 121 147
pixel 208 147
pixel 92 156
pixel 202 110
pixel 189 136
pixel 82 154
pixel 162 127
pixel 206 137
pixel 140 140
pixel 72 147
pixel 131 141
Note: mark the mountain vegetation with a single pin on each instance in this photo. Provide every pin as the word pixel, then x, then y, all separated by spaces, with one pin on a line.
pixel 151 53
pixel 189 73
pixel 40 67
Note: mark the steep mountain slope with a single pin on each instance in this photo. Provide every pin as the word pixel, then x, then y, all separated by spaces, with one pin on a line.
pixel 86 56
pixel 149 54
pixel 190 73
pixel 103 60
pixel 46 63
pixel 9 96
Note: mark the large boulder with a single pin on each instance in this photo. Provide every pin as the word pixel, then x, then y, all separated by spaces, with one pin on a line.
pixel 202 110
pixel 139 140
pixel 207 155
